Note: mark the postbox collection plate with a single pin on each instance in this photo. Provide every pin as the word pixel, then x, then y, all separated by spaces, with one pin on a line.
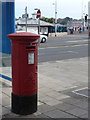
pixel 31 58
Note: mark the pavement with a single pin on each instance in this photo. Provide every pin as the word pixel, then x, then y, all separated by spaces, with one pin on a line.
pixel 56 82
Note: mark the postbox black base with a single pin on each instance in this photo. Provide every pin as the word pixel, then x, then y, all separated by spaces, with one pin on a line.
pixel 24 105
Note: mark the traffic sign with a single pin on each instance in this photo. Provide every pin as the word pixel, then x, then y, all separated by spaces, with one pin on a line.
pixel 38 14
pixel 25 15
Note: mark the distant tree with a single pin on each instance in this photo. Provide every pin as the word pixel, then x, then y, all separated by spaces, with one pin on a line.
pixel 68 18
pixel 59 20
pixel 64 20
pixel 50 20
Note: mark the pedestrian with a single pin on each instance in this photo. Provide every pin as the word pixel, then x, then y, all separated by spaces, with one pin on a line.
pixel 79 30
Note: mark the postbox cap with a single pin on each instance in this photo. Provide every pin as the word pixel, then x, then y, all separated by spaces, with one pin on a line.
pixel 23 36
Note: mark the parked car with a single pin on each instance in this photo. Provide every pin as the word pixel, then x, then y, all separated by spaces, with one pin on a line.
pixel 43 38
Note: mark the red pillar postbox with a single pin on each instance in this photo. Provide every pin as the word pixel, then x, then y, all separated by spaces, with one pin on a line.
pixel 24 72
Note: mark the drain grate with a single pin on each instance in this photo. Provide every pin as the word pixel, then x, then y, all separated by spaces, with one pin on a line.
pixel 83 92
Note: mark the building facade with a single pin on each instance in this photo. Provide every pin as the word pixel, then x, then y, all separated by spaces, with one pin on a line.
pixel 33 26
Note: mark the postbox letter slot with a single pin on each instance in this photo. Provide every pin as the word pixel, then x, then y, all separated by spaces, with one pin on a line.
pixel 31 58
pixel 30 47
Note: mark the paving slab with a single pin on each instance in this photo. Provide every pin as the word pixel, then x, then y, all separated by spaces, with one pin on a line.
pixel 83 105
pixel 84 116
pixel 42 116
pixel 6 100
pixel 7 91
pixel 65 106
pixel 71 100
pixel 57 95
pixel 5 111
pixel 11 115
pixel 45 108
pixel 58 114
pixel 53 102
pixel 77 112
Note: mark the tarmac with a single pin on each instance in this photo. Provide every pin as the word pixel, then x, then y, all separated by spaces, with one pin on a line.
pixel 57 83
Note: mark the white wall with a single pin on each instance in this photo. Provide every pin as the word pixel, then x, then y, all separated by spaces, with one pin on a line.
pixel 29 29
pixel 43 30
pixel 32 29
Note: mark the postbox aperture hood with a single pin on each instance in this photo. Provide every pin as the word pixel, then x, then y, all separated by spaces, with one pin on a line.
pixel 24 35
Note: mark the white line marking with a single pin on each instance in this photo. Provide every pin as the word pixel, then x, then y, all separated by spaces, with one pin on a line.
pixel 78 41
pixel 63 46
pixel 79 45
pixel 75 91
pixel 6 81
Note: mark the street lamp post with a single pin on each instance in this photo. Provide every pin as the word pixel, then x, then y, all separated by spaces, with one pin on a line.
pixel 38 15
pixel 89 19
pixel 26 17
pixel 39 26
pixel 38 20
pixel 82 17
pixel 55 16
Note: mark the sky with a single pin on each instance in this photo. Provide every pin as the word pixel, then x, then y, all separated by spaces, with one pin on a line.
pixel 65 8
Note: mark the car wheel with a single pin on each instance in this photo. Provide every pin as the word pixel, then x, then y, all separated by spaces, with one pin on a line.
pixel 43 40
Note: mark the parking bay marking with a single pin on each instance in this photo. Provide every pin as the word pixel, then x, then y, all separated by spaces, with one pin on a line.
pixel 48 47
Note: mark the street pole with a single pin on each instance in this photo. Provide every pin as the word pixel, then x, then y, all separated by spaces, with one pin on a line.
pixel 38 16
pixel 55 17
pixel 39 30
pixel 89 19
pixel 26 17
pixel 82 17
